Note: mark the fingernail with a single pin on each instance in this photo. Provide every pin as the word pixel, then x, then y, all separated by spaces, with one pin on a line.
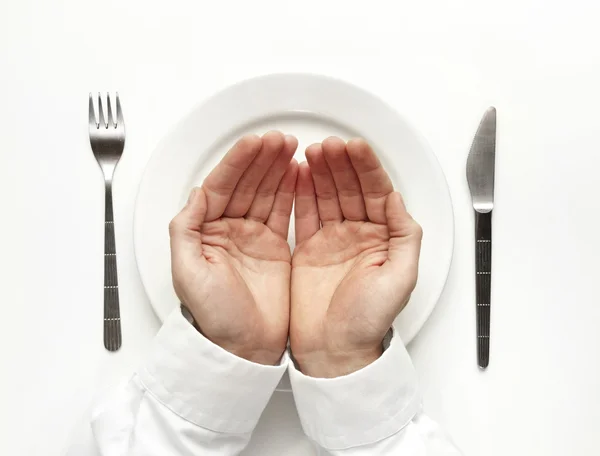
pixel 191 197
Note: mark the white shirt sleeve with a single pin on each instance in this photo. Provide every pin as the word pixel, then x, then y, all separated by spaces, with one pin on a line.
pixel 190 397
pixel 374 411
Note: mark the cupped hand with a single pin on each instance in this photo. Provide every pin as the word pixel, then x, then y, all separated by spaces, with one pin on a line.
pixel 230 256
pixel 356 259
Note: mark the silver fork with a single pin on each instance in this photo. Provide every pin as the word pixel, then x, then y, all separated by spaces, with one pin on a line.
pixel 107 141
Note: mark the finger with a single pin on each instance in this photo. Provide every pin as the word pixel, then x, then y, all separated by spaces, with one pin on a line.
pixel 327 199
pixel 185 228
pixel 306 213
pixel 243 195
pixel 346 181
pixel 374 181
pixel 405 240
pixel 221 182
pixel 265 193
pixel 279 219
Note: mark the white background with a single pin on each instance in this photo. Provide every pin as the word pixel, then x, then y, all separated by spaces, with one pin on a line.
pixel 438 63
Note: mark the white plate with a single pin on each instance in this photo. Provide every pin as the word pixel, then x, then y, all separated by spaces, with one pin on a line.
pixel 311 108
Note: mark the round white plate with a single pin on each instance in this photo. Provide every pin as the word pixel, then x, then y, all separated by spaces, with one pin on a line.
pixel 311 108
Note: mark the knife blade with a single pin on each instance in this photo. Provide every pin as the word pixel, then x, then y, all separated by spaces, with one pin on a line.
pixel 480 177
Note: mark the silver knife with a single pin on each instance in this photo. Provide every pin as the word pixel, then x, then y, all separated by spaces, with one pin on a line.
pixel 480 175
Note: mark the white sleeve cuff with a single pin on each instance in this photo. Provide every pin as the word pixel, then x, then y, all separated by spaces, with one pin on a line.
pixel 205 384
pixel 360 408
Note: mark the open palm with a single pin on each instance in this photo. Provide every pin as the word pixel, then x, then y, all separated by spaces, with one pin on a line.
pixel 230 256
pixel 356 260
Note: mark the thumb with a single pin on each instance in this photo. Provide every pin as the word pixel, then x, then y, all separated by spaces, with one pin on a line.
pixel 195 209
pixel 187 258
pixel 405 240
pixel 187 224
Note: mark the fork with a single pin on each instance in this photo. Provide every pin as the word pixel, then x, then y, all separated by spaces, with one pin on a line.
pixel 108 141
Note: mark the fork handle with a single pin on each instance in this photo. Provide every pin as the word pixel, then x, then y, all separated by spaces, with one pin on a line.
pixel 112 317
pixel 483 282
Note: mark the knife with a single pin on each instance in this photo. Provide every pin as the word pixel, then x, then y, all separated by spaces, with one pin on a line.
pixel 480 176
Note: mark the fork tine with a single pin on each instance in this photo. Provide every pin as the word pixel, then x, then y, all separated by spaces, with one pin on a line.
pixel 92 115
pixel 120 121
pixel 101 112
pixel 111 122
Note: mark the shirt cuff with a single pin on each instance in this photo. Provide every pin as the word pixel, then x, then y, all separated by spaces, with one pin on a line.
pixel 361 408
pixel 205 384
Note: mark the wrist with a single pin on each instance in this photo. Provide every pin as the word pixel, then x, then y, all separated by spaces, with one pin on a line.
pixel 331 364
pixel 258 356
pixel 269 357
pixel 266 354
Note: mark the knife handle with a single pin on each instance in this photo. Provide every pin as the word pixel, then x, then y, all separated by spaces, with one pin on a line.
pixel 483 282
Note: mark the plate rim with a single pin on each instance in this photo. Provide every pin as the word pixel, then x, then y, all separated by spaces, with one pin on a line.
pixel 416 325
